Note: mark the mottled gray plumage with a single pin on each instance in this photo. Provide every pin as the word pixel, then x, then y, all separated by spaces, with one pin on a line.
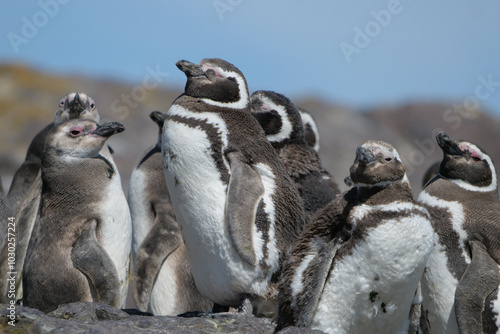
pixel 68 257
pixel 163 282
pixel 356 266
pixel 461 281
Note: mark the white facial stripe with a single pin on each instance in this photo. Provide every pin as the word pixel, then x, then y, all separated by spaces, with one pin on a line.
pixel 286 128
pixel 297 286
pixel 456 211
pixel 307 119
pixel 467 186
pixel 242 103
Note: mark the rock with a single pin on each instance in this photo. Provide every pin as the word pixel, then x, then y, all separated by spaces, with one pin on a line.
pixel 97 318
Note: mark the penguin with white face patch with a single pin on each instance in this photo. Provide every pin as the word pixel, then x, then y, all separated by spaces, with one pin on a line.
pixel 72 106
pixel 79 250
pixel 356 266
pixel 461 281
pixel 163 282
pixel 283 126
pixel 237 207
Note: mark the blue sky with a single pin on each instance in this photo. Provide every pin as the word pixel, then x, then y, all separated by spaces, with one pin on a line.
pixel 355 53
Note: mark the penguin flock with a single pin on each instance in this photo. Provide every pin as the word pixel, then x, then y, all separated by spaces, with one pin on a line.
pixel 232 212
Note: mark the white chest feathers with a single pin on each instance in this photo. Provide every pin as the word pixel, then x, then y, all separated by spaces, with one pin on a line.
pixel 372 286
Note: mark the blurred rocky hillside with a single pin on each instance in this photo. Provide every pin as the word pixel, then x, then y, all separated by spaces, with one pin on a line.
pixel 29 98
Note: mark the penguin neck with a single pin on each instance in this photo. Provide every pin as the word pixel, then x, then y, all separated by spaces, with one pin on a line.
pixel 382 194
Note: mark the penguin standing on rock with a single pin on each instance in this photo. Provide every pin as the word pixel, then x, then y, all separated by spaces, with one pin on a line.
pixel 163 283
pixel 356 266
pixel 237 207
pixel 282 124
pixel 80 247
pixel 461 281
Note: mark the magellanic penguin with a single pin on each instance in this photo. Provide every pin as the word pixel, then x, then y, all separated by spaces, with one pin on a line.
pixel 25 191
pixel 163 282
pixel 72 106
pixel 461 281
pixel 237 207
pixel 356 266
pixel 282 124
pixel 80 246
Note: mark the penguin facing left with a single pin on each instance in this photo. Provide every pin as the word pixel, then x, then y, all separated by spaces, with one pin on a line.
pixel 356 266
pixel 236 205
pixel 162 280
pixel 80 247
pixel 72 106
pixel 282 123
pixel 461 281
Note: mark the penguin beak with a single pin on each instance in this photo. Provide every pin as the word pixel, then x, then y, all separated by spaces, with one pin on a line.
pixel 190 69
pixel 364 155
pixel 108 129
pixel 76 106
pixel 158 117
pixel 447 145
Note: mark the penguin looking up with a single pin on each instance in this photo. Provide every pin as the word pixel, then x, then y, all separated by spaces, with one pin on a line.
pixel 236 205
pixel 282 124
pixel 163 283
pixel 71 106
pixel 461 280
pixel 356 266
pixel 79 250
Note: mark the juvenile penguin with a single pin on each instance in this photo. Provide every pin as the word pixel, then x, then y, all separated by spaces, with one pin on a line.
pixel 356 266
pixel 80 247
pixel 311 131
pixel 282 124
pixel 71 106
pixel 163 282
pixel 460 283
pixel 237 207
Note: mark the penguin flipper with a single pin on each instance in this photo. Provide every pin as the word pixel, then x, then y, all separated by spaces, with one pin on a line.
pixel 24 223
pixel 244 193
pixel 161 241
pixel 92 260
pixel 479 280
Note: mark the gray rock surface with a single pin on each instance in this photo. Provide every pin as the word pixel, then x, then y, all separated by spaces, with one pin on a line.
pixel 101 318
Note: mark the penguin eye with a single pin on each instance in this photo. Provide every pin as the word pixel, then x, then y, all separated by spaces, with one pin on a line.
pixel 476 159
pixel 75 132
pixel 388 159
pixel 61 103
pixel 92 105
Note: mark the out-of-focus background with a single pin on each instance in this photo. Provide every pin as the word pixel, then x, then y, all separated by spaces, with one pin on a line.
pixel 398 71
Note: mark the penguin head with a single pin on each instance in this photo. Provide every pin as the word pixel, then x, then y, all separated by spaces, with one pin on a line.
pixel 279 118
pixel 159 119
pixel 79 138
pixel 466 164
pixel 377 163
pixel 311 132
pixel 76 106
pixel 216 82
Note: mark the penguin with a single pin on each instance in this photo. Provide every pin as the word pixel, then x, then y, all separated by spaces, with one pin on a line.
pixel 79 250
pixel 237 208
pixel 72 106
pixel 461 280
pixel 25 191
pixel 311 131
pixel 163 282
pixel 357 264
pixel 282 123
